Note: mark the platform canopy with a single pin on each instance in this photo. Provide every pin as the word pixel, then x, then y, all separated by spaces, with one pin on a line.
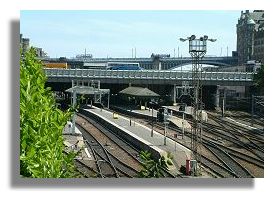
pixel 87 90
pixel 139 92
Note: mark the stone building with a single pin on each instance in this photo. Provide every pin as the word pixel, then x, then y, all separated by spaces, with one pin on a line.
pixel 259 43
pixel 25 45
pixel 250 36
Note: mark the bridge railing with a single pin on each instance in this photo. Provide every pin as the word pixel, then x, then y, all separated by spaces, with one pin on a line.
pixel 148 74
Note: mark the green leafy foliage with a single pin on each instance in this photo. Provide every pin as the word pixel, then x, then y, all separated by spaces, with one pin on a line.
pixel 41 125
pixel 152 168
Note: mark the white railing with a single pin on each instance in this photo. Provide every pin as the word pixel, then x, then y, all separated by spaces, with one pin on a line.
pixel 148 74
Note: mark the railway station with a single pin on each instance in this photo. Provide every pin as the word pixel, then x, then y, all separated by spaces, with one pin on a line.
pixel 135 122
pixel 194 125
pixel 165 117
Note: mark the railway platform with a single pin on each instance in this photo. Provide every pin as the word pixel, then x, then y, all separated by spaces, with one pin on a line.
pixel 142 133
pixel 147 113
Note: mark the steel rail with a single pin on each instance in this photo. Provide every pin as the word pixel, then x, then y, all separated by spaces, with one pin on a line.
pixel 120 141
pixel 99 149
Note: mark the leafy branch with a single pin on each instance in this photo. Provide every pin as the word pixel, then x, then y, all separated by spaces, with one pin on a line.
pixel 152 168
pixel 41 125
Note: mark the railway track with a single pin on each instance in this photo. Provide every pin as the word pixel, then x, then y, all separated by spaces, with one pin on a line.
pixel 236 154
pixel 245 117
pixel 257 133
pixel 107 164
pixel 236 141
pixel 119 168
pixel 243 140
pixel 228 154
pixel 246 132
pixel 217 169
pixel 257 161
pixel 248 120
pixel 127 147
pixel 228 161
pixel 214 167
pixel 123 145
pixel 229 167
pixel 83 169
pixel 234 133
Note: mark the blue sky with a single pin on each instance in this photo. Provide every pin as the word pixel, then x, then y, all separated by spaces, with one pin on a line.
pixel 115 33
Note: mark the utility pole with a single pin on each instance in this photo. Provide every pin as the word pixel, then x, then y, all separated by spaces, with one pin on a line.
pixel 74 116
pixel 197 50
pixel 183 126
pixel 224 103
pixel 165 134
pixel 174 53
pixel 252 110
pixel 221 51
pixel 152 123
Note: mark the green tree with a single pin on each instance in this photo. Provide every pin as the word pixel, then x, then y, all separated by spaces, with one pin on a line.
pixel 152 168
pixel 259 80
pixel 41 125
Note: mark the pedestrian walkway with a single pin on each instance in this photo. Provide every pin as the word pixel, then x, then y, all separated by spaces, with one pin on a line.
pixel 179 152
pixel 147 112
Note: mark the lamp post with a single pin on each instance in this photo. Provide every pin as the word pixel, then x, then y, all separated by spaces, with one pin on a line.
pixel 166 123
pixel 224 103
pixel 183 126
pixel 74 105
pixel 165 134
pixel 252 110
pixel 152 122
pixel 197 50
pixel 129 98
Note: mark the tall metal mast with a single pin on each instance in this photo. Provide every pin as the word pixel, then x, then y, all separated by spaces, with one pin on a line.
pixel 197 50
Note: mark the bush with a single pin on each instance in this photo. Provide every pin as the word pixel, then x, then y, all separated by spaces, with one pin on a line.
pixel 152 168
pixel 41 125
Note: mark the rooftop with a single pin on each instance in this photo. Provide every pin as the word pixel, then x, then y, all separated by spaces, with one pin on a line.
pixel 139 92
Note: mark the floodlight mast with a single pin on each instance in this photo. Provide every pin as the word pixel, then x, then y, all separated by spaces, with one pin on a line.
pixel 197 50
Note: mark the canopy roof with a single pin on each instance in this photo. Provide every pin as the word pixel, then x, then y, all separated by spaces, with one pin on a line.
pixel 87 90
pixel 139 92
